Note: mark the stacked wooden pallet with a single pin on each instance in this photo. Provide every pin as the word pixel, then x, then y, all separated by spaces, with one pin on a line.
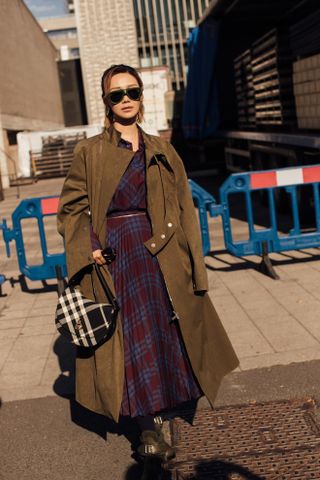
pixel 55 157
pixel 272 80
pixel 244 89
pixel 306 80
pixel 263 78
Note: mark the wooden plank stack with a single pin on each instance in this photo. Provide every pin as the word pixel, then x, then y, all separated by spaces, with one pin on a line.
pixel 244 89
pixel 306 80
pixel 55 157
pixel 269 82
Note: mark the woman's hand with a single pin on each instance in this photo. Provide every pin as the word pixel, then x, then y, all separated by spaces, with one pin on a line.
pixel 98 258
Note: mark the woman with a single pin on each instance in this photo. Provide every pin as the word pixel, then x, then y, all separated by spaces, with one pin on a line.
pixel 128 190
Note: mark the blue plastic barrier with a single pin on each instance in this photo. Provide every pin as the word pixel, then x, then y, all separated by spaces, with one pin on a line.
pixel 53 264
pixel 204 202
pixel 260 242
pixel 267 240
pixel 2 277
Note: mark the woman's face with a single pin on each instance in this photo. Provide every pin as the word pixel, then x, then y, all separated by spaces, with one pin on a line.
pixel 126 109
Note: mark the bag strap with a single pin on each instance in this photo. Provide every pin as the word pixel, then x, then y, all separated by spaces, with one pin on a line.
pixel 112 299
pixel 106 288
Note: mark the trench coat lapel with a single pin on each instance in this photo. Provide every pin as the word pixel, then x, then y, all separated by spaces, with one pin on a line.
pixel 153 153
pixel 115 161
pixel 149 148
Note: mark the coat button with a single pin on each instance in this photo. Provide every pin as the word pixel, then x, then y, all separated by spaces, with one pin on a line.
pixel 152 245
pixel 169 224
pixel 162 235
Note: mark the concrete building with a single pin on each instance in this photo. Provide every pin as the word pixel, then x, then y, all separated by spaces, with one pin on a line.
pixel 107 35
pixel 62 31
pixel 29 84
pixel 58 21
pixel 142 33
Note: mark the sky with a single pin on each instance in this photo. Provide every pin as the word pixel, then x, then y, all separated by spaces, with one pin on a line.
pixel 47 8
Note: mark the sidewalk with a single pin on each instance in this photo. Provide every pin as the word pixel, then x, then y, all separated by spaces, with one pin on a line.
pixel 269 322
pixel 28 364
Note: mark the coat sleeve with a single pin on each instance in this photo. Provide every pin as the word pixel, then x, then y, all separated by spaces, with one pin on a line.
pixel 189 224
pixel 73 218
pixel 95 242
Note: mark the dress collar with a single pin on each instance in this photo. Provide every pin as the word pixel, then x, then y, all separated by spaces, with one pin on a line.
pixel 151 148
pixel 115 138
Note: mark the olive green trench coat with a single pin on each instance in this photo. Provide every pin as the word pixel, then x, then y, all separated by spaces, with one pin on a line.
pixel 93 177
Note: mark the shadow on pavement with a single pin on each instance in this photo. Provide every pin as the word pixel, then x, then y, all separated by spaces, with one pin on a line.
pixel 220 470
pixel 24 287
pixel 134 472
pixel 246 263
pixel 155 472
pixel 64 385
pixel 210 469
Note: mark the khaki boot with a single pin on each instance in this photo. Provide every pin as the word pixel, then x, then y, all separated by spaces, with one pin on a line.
pixel 154 445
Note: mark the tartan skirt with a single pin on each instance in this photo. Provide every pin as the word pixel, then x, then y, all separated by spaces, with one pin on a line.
pixel 158 374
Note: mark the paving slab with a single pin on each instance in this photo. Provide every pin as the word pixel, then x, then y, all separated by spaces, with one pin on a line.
pixel 285 334
pixel 6 345
pixel 280 358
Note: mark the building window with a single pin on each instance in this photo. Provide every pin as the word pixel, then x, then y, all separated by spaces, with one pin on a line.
pixel 12 136
pixel 63 33
pixel 75 52
pixel 71 6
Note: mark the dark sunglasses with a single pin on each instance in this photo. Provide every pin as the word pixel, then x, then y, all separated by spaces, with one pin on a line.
pixel 134 93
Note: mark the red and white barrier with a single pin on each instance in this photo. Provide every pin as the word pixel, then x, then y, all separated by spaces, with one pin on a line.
pixel 284 177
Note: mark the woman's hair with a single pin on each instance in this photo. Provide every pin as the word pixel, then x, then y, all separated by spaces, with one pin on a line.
pixel 105 83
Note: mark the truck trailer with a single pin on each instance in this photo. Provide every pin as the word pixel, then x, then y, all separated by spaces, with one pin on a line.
pixel 264 82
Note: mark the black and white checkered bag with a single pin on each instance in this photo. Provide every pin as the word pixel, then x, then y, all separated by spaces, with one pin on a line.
pixel 83 321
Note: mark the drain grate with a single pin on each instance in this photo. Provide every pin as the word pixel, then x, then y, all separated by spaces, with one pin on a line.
pixel 261 441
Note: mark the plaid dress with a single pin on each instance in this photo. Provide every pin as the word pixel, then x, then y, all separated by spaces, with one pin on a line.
pixel 158 374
